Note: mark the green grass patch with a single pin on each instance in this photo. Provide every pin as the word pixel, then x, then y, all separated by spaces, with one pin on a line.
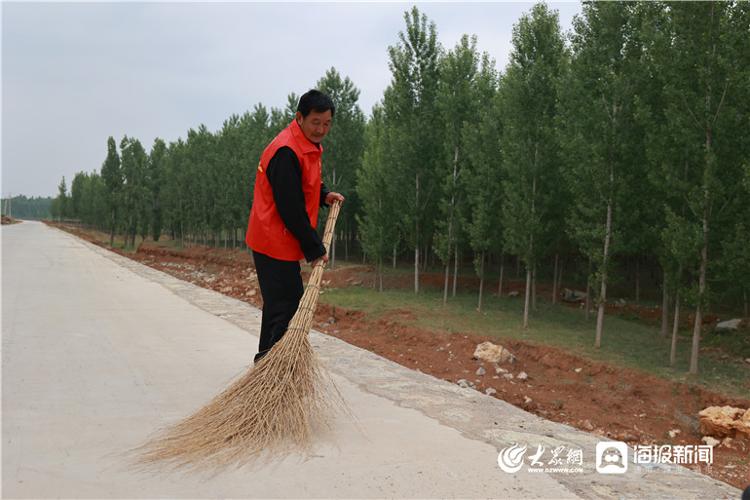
pixel 625 342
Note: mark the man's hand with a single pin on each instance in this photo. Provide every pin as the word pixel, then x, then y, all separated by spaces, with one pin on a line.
pixel 323 259
pixel 330 197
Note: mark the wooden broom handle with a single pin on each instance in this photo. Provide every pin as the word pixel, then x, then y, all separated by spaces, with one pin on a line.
pixel 317 272
pixel 333 214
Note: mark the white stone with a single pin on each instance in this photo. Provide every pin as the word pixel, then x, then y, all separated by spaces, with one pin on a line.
pixel 493 353
pixel 730 324
pixel 709 441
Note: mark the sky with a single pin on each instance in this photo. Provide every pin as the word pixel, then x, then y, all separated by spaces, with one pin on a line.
pixel 74 74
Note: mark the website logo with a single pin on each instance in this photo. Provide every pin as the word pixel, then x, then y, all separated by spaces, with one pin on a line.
pixel 611 457
pixel 511 459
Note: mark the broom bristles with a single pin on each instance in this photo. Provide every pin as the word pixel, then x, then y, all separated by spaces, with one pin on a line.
pixel 273 409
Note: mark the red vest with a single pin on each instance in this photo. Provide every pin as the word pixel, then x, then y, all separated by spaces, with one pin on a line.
pixel 266 232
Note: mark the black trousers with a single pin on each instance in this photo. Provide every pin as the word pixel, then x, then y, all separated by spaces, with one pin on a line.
pixel 281 288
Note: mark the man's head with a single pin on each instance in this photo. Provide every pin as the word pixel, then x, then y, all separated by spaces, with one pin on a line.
pixel 314 115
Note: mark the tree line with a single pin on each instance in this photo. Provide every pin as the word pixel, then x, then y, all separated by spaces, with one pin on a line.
pixel 23 207
pixel 617 149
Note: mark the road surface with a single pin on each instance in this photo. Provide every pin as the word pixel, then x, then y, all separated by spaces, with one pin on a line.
pixel 99 350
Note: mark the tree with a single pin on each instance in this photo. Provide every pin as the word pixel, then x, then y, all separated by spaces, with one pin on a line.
pixel 60 205
pixel 344 147
pixel 113 180
pixel 76 195
pixel 280 118
pixel 377 192
pixel 530 147
pixel 410 109
pixel 134 192
pixel 155 180
pixel 700 52
pixel 457 103
pixel 482 181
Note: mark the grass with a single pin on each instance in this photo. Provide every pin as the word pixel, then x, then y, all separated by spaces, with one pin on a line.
pixel 625 342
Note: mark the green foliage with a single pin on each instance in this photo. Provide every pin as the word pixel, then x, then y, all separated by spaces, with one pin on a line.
pixel 458 104
pixel 530 144
pixel 410 113
pixel 482 182
pixel 627 142
pixel 22 207
pixel 375 188
pixel 344 145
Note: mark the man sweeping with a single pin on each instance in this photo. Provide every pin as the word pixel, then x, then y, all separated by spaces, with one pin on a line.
pixel 290 383
pixel 281 230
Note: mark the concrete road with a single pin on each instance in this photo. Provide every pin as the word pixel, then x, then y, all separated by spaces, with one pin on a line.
pixel 98 351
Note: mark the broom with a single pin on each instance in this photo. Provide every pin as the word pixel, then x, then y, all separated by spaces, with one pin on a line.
pixel 273 409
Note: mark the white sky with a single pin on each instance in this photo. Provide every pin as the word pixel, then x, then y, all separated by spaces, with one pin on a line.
pixel 75 73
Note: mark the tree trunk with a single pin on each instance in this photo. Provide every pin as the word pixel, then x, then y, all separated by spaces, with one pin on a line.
pixel 697 326
pixel 416 237
pixel 587 304
pixel 346 245
pixel 455 270
pixel 554 280
pixel 481 282
pixel 637 280
pixel 380 274
pixel 445 284
pixel 533 287
pixel 500 280
pixel 605 263
pixel 664 307
pixel 394 256
pixel 518 267
pixel 416 269
pixel 744 300
pixel 333 250
pixel 112 230
pixel 450 225
pixel 559 279
pixel 675 328
pixel 527 298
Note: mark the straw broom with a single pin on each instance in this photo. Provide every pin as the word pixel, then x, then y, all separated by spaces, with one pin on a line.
pixel 273 409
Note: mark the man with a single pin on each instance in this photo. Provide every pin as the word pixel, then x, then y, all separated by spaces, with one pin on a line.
pixel 281 228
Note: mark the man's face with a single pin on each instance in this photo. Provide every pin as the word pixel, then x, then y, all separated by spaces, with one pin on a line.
pixel 315 125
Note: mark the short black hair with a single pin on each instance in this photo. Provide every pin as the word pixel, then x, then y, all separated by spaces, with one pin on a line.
pixel 315 100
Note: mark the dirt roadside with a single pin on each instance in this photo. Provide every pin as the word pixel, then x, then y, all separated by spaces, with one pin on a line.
pixel 611 401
